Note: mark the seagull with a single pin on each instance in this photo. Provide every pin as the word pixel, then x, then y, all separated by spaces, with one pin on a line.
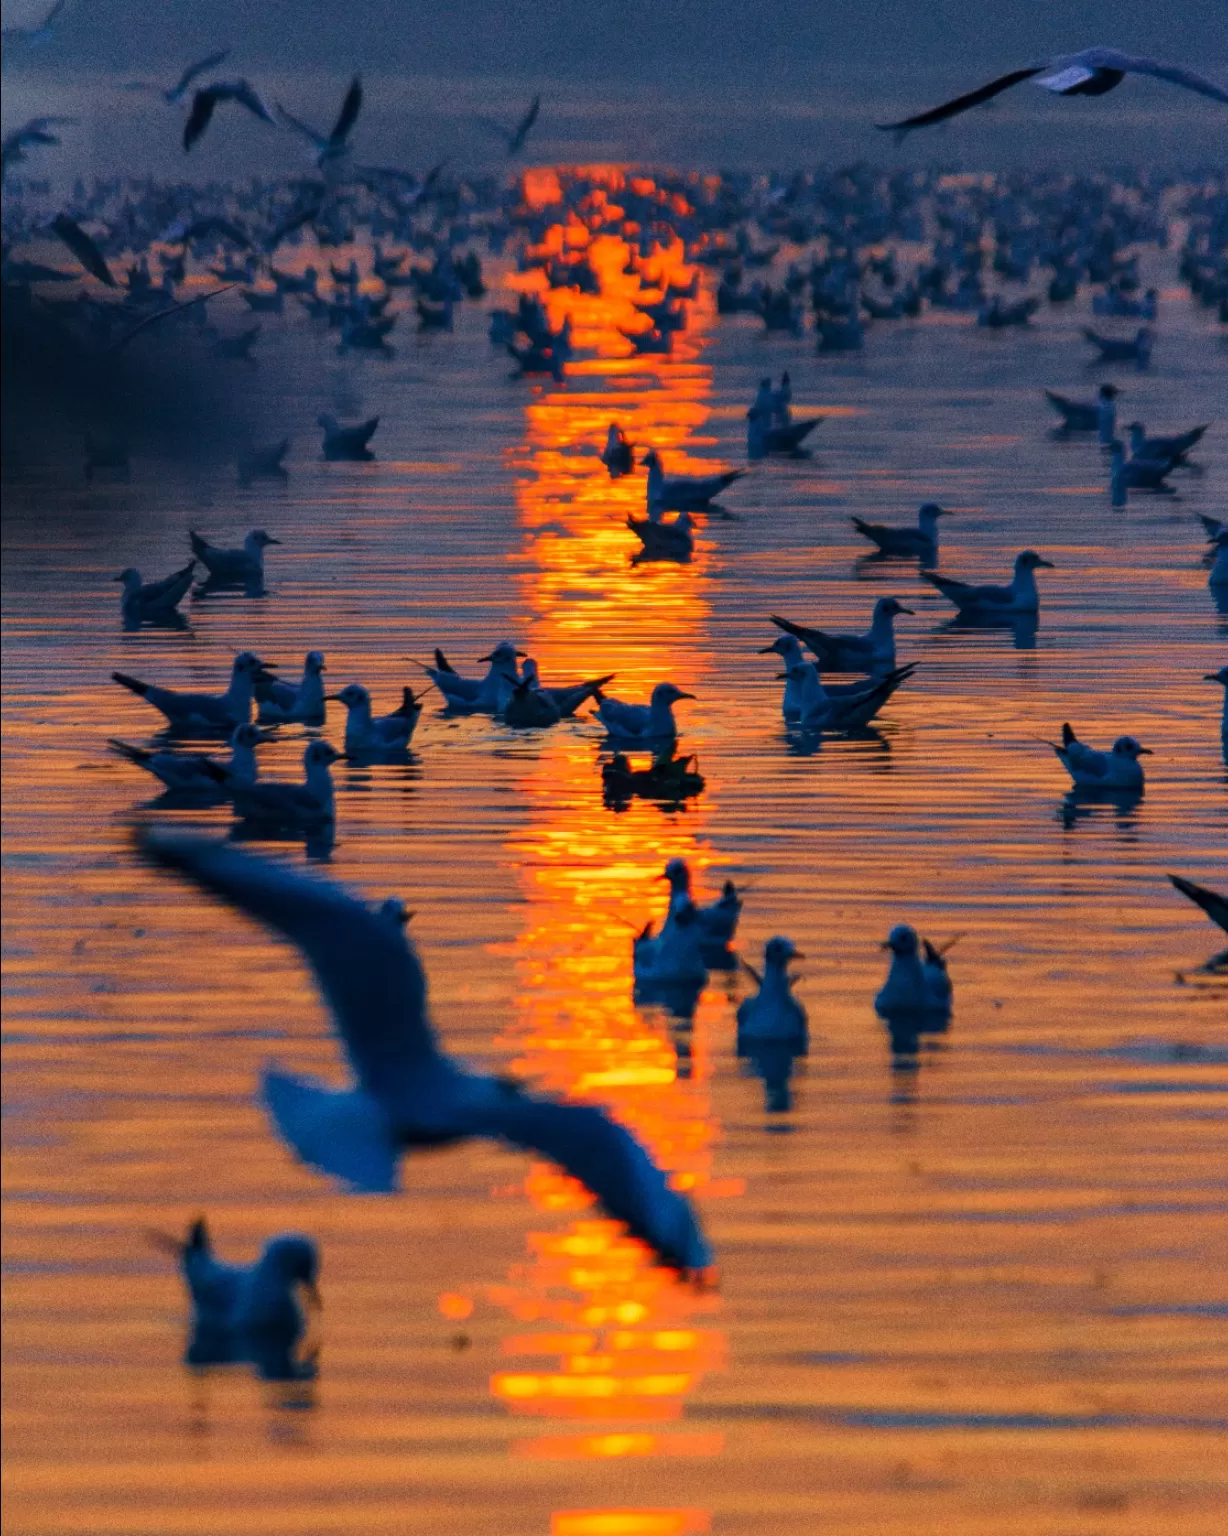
pixel 264 463
pixel 346 442
pixel 674 540
pixel 618 455
pixel 234 565
pixel 279 703
pixel 1090 769
pixel 529 708
pixel 1174 448
pixel 195 773
pixel 819 711
pixel 569 697
pixel 36 132
pixel 331 147
pixel 718 922
pixel 1221 677
pixel 669 778
pixel 208 712
pixel 1114 350
pixel 408 1093
pixel 1219 567
pixel 365 732
pixel 937 977
pixel 913 987
pixel 247 1312
pixel 1216 908
pixel 179 90
pixel 209 97
pixel 485 695
pixel 871 652
pixel 789 649
pixel 919 543
pixel 770 428
pixel 1099 415
pixel 989 601
pixel 310 804
pixel 773 1013
pixel 1136 474
pixel 515 140
pixel 682 493
pixel 632 724
pixel 153 600
pixel 1089 73
pixel 672 958
pixel 70 233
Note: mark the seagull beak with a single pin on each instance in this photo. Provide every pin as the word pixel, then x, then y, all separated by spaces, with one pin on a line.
pixel 334 698
pixel 902 609
pixel 764 650
pixel 1146 751
pixel 686 695
pixel 886 944
pixel 797 955
pixel 486 658
pixel 1048 565
pixel 117 578
pixel 522 653
pixel 274 541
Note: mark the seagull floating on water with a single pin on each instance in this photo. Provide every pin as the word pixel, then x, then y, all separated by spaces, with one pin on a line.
pixel 818 710
pixel 718 922
pixel 618 455
pixel 264 463
pixel 914 987
pixel 683 493
pixel 1099 415
pixel 276 804
pixel 247 1312
pixel 473 695
pixel 342 442
pixel 641 724
pixel 196 773
pixel 234 565
pixel 872 652
pixel 1175 447
pixel 153 600
pixel 1091 72
pixel 408 1093
pixel 773 1013
pixel 1091 769
pixel 919 543
pixel 674 957
pixel 365 732
pixel 568 697
pixel 279 703
pixel 990 601
pixel 204 712
pixel 1113 349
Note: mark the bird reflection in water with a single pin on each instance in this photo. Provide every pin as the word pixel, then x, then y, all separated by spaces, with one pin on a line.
pixel 1083 804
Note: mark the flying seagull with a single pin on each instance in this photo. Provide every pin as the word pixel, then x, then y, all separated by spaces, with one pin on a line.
pixel 514 141
pixel 82 247
pixel 38 35
pixel 333 145
pixel 207 99
pixel 37 131
pixel 407 1092
pixel 1090 73
pixel 178 91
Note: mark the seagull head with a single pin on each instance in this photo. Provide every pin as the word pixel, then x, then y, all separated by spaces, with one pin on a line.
pixel 503 655
pixel 678 875
pixel 395 911
pixel 788 647
pixel 902 940
pixel 669 693
pixel 320 754
pixel 1217 677
pixel 248 735
pixel 529 671
pixel 1029 560
pixel 313 663
pixel 651 460
pixel 1126 746
pixel 930 511
pixel 891 606
pixel 130 577
pixel 294 1259
pixel 258 539
pixel 248 664
pixel 779 951
pixel 353 696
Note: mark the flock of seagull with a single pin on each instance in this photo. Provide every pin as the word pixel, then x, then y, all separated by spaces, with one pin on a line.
pixel 406 1091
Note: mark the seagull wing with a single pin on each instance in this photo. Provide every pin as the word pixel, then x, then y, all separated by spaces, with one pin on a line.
pixel 366 969
pixel 290 121
pixel 962 103
pixel 161 314
pixel 610 1162
pixel 1134 64
pixel 245 93
pixel 527 121
pixel 190 73
pixel 83 248
pixel 199 118
pixel 1211 902
pixel 348 115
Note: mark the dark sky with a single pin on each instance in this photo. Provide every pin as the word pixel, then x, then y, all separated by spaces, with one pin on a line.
pixel 742 82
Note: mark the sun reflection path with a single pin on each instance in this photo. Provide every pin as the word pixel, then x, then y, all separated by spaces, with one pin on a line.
pixel 626 1342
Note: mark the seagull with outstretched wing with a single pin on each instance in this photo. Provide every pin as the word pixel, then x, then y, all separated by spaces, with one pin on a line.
pixel 333 145
pixel 209 98
pixel 178 91
pixel 1216 908
pixel 83 248
pixel 36 132
pixel 35 36
pixel 515 139
pixel 1089 73
pixel 407 1093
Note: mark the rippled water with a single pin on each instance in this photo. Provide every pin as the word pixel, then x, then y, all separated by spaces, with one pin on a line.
pixel 976 1289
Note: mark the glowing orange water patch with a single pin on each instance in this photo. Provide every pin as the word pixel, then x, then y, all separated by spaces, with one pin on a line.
pixel 630 1522
pixel 611 1446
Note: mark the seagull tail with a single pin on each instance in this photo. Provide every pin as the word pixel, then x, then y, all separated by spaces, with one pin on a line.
pixel 342 1133
pixel 133 684
pixel 1068 736
pixel 133 754
pixel 198 544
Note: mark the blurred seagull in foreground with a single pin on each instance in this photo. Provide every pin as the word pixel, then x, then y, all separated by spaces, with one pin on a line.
pixel 1091 769
pixel 234 565
pixel 1175 447
pixel 632 724
pixel 990 601
pixel 153 600
pixel 1091 72
pixel 247 1312
pixel 206 712
pixel 36 133
pixel 37 35
pixel 310 804
pixel 195 773
pixel 919 543
pixel 280 703
pixel 871 652
pixel 365 732
pixel 407 1092
pixel 913 986
pixel 1216 908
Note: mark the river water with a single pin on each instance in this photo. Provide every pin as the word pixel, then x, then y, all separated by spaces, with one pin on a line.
pixel 978 1287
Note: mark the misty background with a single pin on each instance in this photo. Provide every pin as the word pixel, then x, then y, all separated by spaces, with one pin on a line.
pixel 711 83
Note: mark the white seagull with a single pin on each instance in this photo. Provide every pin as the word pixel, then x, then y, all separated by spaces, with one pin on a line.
pixel 818 710
pixel 210 712
pixel 310 804
pixel 477 695
pixel 641 723
pixel 682 493
pixel 196 773
pixel 280 703
pixel 152 600
pixel 1089 73
pixel 913 987
pixel 407 1092
pixel 990 601
pixel 718 922
pixel 365 732
pixel 871 652
pixel 1091 769
pixel 674 957
pixel 245 564
pixel 920 543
